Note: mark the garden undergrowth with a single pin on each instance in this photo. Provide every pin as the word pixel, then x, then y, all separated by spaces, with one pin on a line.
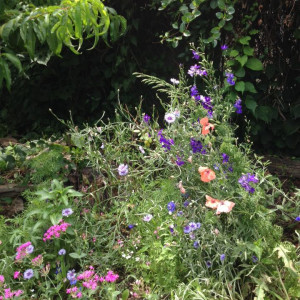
pixel 127 210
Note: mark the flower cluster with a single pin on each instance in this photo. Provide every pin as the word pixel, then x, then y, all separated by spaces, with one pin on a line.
pixel 230 78
pixel 24 250
pixel 8 294
pixel 165 143
pixel 197 146
pixel 56 230
pixel 205 101
pixel 192 226
pixel 37 261
pixel 238 106
pixel 179 161
pixel 246 179
pixel 196 70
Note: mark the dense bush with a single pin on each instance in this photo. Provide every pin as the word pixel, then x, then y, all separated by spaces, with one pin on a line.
pixel 181 212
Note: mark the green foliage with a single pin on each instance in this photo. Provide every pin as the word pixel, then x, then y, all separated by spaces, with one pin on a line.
pixel 264 58
pixel 42 31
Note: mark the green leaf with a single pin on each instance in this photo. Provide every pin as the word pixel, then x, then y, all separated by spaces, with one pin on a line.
pixel 55 218
pixel 264 113
pixel 76 255
pixel 245 40
pixel 251 104
pixel 125 294
pixel 248 51
pixel 240 86
pixel 228 27
pixel 242 59
pixel 249 87
pixel 6 73
pixel 219 15
pixel 233 53
pixel 231 10
pixel 254 64
pixel 221 4
pixel 240 72
pixel 14 60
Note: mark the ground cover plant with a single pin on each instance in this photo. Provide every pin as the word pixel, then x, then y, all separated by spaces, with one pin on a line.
pixel 176 209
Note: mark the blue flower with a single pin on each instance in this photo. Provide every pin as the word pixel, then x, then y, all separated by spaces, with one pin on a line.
pixel 195 55
pixel 179 161
pixel 225 158
pixel 180 213
pixel 130 226
pixel 62 252
pixel 254 259
pixel 297 219
pixel 244 182
pixel 230 79
pixel 208 264
pixel 186 203
pixel 224 47
pixel 196 244
pixel 222 257
pixel 187 229
pixel 171 206
pixel 238 106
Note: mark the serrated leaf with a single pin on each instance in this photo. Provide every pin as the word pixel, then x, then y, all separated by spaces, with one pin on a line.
pixel 254 64
pixel 282 253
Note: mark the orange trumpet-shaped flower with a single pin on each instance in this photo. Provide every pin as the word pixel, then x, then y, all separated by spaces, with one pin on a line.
pixel 220 205
pixel 206 174
pixel 206 126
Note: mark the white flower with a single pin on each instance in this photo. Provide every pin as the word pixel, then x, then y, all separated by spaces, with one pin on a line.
pixel 123 170
pixel 174 81
pixel 141 149
pixel 148 218
pixel 170 118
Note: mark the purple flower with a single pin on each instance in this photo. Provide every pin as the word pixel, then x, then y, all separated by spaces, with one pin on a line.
pixel 165 143
pixel 174 81
pixel 67 212
pixel 171 229
pixel 193 226
pixel 71 275
pixel 130 226
pixel 146 118
pixel 180 213
pixel 208 264
pixel 195 55
pixel 187 229
pixel 254 259
pixel 230 79
pixel 193 70
pixel 123 170
pixel 196 244
pixel 297 219
pixel 230 169
pixel 170 118
pixel 222 257
pixel 62 252
pixel 194 91
pixel 197 146
pixel 224 47
pixel 73 281
pixel 244 182
pixel 171 206
pixel 148 218
pixel 28 274
pixel 238 106
pixel 216 167
pixel 179 161
pixel 198 225
pixel 29 249
pixel 225 158
pixel 186 203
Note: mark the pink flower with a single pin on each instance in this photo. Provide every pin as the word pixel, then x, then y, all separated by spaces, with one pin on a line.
pixel 111 277
pixel 56 230
pixel 17 274
pixel 79 295
pixel 2 278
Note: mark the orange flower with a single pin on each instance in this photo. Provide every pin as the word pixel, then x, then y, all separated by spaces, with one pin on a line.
pixel 211 202
pixel 206 174
pixel 220 205
pixel 206 126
